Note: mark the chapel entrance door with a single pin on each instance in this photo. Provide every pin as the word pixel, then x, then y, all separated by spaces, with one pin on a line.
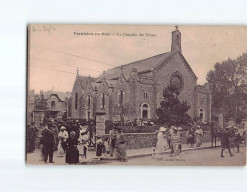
pixel 144 114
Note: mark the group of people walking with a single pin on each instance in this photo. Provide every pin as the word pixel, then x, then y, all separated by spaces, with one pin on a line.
pixel 171 139
pixel 230 134
pixel 194 136
pixel 72 142
pixel 114 145
pixel 73 145
pixel 168 139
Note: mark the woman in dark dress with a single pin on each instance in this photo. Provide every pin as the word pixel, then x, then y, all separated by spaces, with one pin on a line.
pixel 99 147
pixel 190 137
pixel 121 146
pixel 72 153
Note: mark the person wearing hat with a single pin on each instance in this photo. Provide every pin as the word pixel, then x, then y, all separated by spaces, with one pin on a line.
pixel 180 143
pixel 48 144
pixel 77 128
pixel 171 131
pixel 83 144
pixel 175 140
pixel 99 146
pixel 31 136
pixel 161 143
pixel 169 136
pixel 225 141
pixel 62 137
pixel 198 135
pixel 112 140
pixel 121 145
pixel 237 137
pixel 165 138
pixel 72 153
pixel 190 137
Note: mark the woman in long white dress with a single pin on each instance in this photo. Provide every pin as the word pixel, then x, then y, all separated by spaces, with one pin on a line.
pixel 199 135
pixel 161 142
pixel 62 137
pixel 83 144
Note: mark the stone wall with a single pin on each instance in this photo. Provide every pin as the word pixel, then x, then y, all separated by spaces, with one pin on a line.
pixel 146 140
pixel 142 140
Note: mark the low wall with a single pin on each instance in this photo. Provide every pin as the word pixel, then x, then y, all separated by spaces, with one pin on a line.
pixel 146 140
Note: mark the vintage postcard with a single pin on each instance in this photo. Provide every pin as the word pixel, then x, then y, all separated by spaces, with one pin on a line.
pixel 136 95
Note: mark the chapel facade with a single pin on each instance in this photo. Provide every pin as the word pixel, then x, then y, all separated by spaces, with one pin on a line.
pixel 135 90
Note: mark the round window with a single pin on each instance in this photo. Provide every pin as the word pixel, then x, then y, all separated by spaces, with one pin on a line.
pixel 176 81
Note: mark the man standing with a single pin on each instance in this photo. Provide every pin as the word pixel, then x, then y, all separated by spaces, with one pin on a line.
pixel 175 140
pixel 237 137
pixel 77 129
pixel 225 142
pixel 31 136
pixel 169 136
pixel 180 142
pixel 48 144
pixel 112 141
pixel 199 134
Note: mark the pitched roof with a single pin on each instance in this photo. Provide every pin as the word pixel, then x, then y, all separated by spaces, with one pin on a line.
pixel 202 89
pixel 63 96
pixel 84 80
pixel 141 66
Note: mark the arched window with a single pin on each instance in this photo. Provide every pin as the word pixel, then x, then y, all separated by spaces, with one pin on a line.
pixel 145 111
pixel 201 114
pixel 88 101
pixel 121 98
pixel 76 99
pixel 88 115
pixel 103 100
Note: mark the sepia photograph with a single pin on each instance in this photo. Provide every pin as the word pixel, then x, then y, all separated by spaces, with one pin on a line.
pixel 139 95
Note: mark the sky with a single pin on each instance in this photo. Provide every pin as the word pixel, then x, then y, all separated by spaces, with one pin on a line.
pixel 56 51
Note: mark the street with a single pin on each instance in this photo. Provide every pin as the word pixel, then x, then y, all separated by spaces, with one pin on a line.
pixel 203 157
pixel 200 157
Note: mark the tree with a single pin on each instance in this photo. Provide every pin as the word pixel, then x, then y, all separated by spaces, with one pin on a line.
pixel 172 111
pixel 40 102
pixel 228 85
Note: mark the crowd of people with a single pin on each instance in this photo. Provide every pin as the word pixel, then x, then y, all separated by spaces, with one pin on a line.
pixel 168 139
pixel 72 141
pixel 230 135
pixel 171 139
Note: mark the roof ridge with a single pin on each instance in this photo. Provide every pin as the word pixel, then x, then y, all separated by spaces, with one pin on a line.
pixel 147 58
pixel 141 60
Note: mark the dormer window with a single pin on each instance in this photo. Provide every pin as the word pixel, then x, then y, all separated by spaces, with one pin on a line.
pixel 53 104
